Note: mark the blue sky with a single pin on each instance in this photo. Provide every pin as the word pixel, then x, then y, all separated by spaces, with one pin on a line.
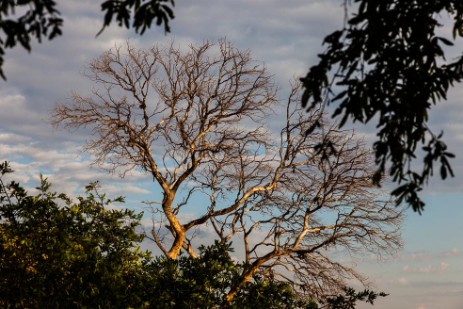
pixel 286 35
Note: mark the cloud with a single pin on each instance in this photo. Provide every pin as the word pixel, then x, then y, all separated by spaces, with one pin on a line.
pixel 451 253
pixel 426 269
pixel 418 256
pixel 415 256
pixel 403 281
pixel 67 169
pixel 11 138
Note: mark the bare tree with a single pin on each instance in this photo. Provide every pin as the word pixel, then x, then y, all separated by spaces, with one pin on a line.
pixel 197 121
pixel 319 205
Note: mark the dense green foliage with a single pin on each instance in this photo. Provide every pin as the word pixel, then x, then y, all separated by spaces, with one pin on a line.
pixel 54 253
pixel 388 66
pixel 58 254
pixel 205 281
pixel 21 21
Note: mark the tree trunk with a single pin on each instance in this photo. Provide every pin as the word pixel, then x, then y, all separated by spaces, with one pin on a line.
pixel 247 275
pixel 177 229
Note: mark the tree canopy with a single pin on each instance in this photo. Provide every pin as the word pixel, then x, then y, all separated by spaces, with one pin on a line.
pixel 388 66
pixel 56 253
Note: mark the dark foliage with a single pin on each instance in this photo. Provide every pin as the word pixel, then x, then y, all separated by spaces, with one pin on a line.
pixel 58 254
pixel 388 66
pixel 141 12
pixel 23 20
pixel 350 298
pixel 205 281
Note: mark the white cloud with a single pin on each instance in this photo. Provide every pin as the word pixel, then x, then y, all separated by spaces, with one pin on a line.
pixel 403 281
pixel 443 266
pixel 451 253
pixel 416 256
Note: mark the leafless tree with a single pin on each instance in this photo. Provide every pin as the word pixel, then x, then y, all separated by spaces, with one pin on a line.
pixel 197 121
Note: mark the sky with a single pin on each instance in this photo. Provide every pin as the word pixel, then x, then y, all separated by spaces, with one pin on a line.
pixel 287 36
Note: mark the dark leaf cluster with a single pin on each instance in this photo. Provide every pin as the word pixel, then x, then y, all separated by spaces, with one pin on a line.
pixel 21 20
pixel 142 12
pixel 388 66
pixel 24 20
pixel 350 297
